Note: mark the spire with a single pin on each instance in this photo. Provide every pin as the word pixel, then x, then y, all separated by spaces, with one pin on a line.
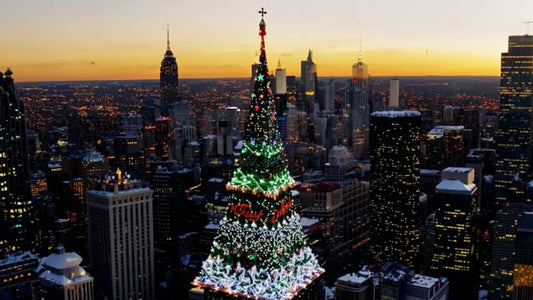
pixel 310 55
pixel 359 56
pixel 168 39
pixel 279 64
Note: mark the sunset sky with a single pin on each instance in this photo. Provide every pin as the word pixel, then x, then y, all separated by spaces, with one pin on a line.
pixel 126 39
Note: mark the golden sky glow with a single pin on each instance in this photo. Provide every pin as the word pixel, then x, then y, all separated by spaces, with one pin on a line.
pixel 99 39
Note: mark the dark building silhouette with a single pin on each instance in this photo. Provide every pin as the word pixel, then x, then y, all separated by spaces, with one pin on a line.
pixel 16 215
pixel 394 185
pixel 168 80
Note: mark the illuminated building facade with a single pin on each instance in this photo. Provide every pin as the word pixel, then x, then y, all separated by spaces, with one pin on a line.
pixel 94 166
pixel 73 201
pixel 342 210
pixel 514 134
pixel 454 251
pixel 309 83
pixel 16 222
pixel 513 158
pixel 445 147
pixel 168 80
pixel 121 241
pixel 164 138
pixel 358 109
pixel 394 185
pixel 523 265
pixel 18 276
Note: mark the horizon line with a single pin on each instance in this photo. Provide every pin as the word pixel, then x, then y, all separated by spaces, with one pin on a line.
pixel 244 78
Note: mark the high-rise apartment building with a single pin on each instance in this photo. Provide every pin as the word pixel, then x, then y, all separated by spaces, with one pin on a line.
pixel 121 241
pixel 16 222
pixel 168 80
pixel 513 158
pixel 394 185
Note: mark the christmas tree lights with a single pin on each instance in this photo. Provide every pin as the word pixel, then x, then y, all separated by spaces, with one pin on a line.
pixel 260 249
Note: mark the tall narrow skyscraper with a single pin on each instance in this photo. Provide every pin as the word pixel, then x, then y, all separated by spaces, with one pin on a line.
pixel 309 83
pixel 16 218
pixel 515 133
pixel 281 79
pixel 514 138
pixel 358 107
pixel 168 80
pixel 394 185
pixel 394 93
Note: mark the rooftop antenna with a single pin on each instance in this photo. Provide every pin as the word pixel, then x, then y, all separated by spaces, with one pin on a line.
pixel 527 26
pixel 168 38
pixel 360 47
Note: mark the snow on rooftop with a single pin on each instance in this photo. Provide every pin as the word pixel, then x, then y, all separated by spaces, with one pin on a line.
pixel 17 257
pixel 457 170
pixel 439 130
pixel 308 222
pixel 358 278
pixel 396 113
pixel 429 172
pixel 211 226
pixel 63 280
pixel 63 261
pixel 455 186
pixel 216 179
pixel 423 281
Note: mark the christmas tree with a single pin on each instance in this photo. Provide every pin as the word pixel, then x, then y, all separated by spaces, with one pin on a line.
pixel 260 249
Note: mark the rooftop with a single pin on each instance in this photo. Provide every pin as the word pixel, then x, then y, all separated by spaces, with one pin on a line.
pixel 439 130
pixel 354 278
pixel 396 114
pixel 423 281
pixel 62 261
pixel 17 257
pixel 455 186
pixel 457 170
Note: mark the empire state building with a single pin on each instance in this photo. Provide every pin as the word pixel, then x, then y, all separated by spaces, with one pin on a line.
pixel 168 80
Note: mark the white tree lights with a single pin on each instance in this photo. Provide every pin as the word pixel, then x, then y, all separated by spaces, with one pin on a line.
pixel 260 250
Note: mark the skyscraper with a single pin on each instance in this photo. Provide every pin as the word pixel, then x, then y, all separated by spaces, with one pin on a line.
pixel 16 221
pixel 394 93
pixel 454 251
pixel 309 83
pixel 260 249
pixel 513 157
pixel 168 80
pixel 515 133
pixel 358 110
pixel 394 185
pixel 121 240
pixel 281 79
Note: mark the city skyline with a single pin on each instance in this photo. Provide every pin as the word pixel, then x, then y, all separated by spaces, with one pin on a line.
pixel 90 40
